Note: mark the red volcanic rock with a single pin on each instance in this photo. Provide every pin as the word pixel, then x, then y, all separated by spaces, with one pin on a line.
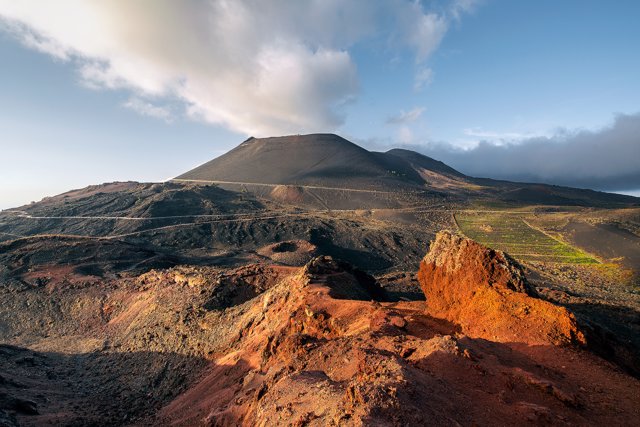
pixel 486 293
pixel 323 347
pixel 265 345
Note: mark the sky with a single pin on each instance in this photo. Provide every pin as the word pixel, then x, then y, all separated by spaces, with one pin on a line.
pixel 95 91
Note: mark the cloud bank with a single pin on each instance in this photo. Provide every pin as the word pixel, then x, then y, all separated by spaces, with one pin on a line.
pixel 607 159
pixel 259 67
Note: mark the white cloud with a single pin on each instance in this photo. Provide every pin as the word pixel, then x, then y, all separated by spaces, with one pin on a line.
pixel 258 67
pixel 426 35
pixel 406 116
pixel 461 7
pixel 423 78
pixel 404 135
pixel 145 108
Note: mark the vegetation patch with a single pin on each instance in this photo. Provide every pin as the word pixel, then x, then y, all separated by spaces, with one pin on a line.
pixel 511 233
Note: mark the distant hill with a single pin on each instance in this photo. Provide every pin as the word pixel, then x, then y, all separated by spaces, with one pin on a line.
pixel 418 160
pixel 317 159
pixel 328 160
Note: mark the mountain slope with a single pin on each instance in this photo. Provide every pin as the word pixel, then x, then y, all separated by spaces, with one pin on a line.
pixel 418 160
pixel 317 159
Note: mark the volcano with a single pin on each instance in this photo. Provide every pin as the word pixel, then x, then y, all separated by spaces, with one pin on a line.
pixel 331 162
pixel 316 159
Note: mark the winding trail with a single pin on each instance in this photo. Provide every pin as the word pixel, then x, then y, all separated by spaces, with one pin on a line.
pixel 248 218
pixel 312 187
pixel 224 218
pixel 24 214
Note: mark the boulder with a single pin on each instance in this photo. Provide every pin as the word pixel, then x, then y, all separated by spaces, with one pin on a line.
pixel 486 293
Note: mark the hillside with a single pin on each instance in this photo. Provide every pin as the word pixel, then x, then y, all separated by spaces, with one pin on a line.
pixel 317 159
pixel 172 223
pixel 312 168
pixel 420 161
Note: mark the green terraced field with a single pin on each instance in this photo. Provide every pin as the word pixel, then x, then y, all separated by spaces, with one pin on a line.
pixel 510 233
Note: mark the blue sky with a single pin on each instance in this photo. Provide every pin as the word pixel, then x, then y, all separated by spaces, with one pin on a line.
pixel 116 91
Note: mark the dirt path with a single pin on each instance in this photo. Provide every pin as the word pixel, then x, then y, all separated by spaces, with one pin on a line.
pixel 215 218
pixel 312 187
pixel 24 214
pixel 149 230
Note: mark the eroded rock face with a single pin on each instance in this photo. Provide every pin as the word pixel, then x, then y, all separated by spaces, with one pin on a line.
pixel 343 280
pixel 486 293
pixel 273 345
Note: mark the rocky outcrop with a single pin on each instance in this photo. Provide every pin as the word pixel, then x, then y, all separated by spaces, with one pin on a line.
pixel 486 293
pixel 322 347
pixel 273 345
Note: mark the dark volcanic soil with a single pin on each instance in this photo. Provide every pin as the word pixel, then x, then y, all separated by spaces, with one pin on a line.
pixel 322 160
pixel 607 240
pixel 154 225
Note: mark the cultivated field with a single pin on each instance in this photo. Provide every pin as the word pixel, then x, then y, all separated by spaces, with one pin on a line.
pixel 510 232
